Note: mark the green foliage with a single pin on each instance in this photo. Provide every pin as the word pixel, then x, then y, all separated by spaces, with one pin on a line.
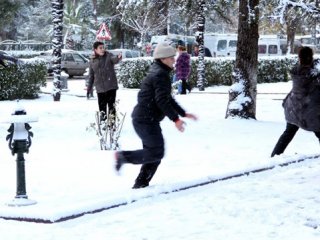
pixel 7 8
pixel 22 81
pixel 218 71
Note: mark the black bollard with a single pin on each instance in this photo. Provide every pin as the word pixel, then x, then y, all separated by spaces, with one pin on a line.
pixel 20 147
pixel 19 138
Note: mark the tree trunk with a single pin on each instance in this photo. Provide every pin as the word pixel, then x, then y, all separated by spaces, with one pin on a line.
pixel 243 92
pixel 200 39
pixel 292 21
pixel 57 13
pixel 291 32
pixel 95 7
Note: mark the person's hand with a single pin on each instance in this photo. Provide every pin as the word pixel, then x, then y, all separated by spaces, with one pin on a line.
pixel 120 55
pixel 180 125
pixel 191 116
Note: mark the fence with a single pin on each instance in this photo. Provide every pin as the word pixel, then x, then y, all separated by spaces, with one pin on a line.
pixel 9 45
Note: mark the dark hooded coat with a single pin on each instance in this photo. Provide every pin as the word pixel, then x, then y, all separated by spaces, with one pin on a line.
pixel 302 104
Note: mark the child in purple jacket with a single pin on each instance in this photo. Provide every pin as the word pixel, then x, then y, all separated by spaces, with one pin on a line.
pixel 183 68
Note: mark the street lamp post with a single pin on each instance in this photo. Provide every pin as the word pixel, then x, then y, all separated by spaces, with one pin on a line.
pixel 19 138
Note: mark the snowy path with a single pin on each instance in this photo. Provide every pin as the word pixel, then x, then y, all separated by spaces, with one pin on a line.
pixel 67 173
pixel 283 203
pixel 124 199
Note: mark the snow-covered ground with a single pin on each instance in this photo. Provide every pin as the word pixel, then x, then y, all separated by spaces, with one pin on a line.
pixel 67 174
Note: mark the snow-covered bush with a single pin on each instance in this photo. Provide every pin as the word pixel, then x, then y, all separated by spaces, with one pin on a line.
pixel 218 70
pixel 131 71
pixel 22 81
pixel 24 54
pixel 275 69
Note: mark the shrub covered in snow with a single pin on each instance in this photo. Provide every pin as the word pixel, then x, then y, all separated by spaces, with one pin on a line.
pixel 22 80
pixel 132 71
pixel 275 69
pixel 218 70
pixel 24 54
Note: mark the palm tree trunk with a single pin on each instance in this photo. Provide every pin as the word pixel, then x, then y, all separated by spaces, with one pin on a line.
pixel 200 39
pixel 57 13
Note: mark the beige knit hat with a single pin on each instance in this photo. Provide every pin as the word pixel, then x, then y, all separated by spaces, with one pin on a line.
pixel 163 50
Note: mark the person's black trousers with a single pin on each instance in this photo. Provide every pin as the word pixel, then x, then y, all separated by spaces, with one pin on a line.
pixel 153 150
pixel 184 86
pixel 286 138
pixel 107 99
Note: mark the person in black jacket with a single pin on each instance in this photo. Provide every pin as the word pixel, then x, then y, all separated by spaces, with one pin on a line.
pixel 154 103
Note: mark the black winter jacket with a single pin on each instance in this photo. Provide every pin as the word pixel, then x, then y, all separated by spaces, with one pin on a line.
pixel 154 98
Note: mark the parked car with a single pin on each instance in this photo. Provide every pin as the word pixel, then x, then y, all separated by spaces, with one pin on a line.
pixel 6 59
pixel 72 62
pixel 126 53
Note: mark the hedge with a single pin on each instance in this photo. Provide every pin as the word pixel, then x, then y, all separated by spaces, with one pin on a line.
pixel 22 81
pixel 218 70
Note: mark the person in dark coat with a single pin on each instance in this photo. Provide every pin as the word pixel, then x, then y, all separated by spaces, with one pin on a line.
pixel 183 69
pixel 207 52
pixel 155 101
pixel 102 75
pixel 302 104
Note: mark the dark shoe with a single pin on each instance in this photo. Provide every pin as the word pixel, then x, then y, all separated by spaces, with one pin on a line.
pixel 146 173
pixel 138 185
pixel 274 153
pixel 120 160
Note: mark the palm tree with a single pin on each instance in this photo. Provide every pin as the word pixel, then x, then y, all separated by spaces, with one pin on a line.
pixel 200 39
pixel 57 14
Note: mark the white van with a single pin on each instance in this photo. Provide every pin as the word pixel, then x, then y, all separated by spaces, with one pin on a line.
pixel 307 41
pixel 225 45
pixel 270 45
pixel 126 53
pixel 221 45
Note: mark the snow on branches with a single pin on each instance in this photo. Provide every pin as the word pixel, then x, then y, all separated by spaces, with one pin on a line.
pixel 308 6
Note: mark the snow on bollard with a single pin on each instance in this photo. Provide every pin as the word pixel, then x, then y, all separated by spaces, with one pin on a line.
pixel 19 138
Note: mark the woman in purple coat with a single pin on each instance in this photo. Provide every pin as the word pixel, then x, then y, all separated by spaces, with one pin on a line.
pixel 183 68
